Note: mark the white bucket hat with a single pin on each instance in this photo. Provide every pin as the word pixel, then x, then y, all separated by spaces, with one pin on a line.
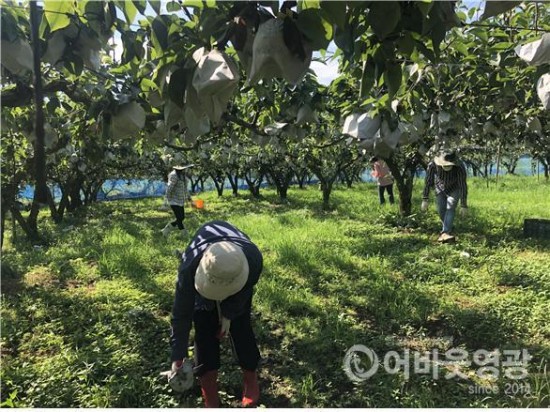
pixel 222 271
pixel 446 159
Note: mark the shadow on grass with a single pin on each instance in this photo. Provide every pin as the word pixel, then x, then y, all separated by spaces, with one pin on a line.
pixel 95 332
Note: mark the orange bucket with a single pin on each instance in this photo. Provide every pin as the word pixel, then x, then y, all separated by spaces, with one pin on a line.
pixel 199 204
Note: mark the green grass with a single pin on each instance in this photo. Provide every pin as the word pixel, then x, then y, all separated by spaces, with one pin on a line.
pixel 85 320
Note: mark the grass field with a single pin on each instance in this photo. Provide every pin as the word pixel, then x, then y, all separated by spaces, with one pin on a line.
pixel 85 318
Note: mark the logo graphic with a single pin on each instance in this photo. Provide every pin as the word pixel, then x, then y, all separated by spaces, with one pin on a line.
pixel 361 362
pixel 354 367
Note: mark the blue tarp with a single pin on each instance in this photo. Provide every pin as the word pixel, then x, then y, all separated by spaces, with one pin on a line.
pixel 140 188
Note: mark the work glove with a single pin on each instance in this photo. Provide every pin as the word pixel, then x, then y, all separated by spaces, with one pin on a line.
pixel 180 377
pixel 424 205
pixel 224 328
pixel 463 211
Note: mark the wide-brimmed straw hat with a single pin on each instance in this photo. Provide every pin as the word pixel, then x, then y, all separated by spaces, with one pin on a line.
pixel 446 159
pixel 222 271
pixel 183 167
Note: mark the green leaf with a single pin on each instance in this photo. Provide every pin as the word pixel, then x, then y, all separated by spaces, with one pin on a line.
pixel 334 12
pixel 148 84
pixel 383 17
pixel 421 47
pixel 502 46
pixel 392 78
pixel 57 13
pixel 367 77
pixel 343 38
pixel 379 62
pixel 177 86
pixel 110 16
pixel 438 34
pixel 307 4
pixel 461 47
pixel 159 34
pixel 317 30
pixel 424 6
pixel 193 3
pixel 52 104
pixel 128 40
pixel 173 6
pixel 129 10
pixel 11 32
pixel 155 4
pixel 141 5
pixel 405 44
pixel 75 65
pixel 480 33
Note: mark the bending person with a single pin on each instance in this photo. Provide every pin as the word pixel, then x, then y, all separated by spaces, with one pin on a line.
pixel 214 291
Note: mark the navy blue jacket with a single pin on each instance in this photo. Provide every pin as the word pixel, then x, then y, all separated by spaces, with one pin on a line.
pixel 187 299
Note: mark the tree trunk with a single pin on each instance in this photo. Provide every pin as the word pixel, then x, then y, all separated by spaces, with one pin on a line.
pixel 219 180
pixel 30 231
pixel 194 184
pixel 498 162
pixel 8 196
pixel 282 182
pixel 3 212
pixel 53 211
pixel 40 188
pixel 326 187
pixel 32 220
pixel 510 164
pixel 348 179
pixel 546 166
pixel 254 185
pixel 233 181
pixel 95 191
pixel 404 182
pixel 301 178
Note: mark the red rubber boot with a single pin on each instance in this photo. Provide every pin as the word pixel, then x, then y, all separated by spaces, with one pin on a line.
pixel 251 390
pixel 209 389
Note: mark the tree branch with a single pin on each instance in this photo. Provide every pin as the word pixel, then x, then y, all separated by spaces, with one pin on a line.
pixel 21 94
pixel 332 143
pixel 230 118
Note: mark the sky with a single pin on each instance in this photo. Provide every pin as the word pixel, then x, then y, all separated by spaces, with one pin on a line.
pixel 325 72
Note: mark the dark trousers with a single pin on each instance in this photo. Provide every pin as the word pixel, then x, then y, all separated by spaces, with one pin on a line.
pixel 180 215
pixel 389 189
pixel 207 345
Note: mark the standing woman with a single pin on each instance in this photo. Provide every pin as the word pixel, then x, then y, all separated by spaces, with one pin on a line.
pixel 382 173
pixel 176 193
pixel 216 279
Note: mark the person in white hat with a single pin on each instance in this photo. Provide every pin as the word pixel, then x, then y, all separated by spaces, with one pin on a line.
pixel 214 291
pixel 176 193
pixel 448 175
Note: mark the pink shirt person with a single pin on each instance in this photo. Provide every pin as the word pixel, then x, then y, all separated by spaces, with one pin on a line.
pixel 382 173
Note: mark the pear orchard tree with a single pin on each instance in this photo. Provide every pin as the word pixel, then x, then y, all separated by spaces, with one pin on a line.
pixel 163 83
